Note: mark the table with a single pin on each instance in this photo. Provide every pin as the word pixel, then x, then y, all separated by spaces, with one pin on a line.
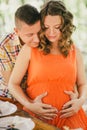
pixel 39 125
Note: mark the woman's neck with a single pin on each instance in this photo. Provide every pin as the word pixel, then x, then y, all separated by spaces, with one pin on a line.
pixel 55 49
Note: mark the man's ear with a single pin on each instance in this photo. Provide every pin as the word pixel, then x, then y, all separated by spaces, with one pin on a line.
pixel 16 31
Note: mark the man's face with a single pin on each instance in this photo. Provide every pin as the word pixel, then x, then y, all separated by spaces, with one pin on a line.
pixel 29 33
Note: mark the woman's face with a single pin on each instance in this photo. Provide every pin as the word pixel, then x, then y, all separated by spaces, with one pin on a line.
pixel 52 25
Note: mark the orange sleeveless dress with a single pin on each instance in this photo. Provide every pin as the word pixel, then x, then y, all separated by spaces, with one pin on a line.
pixel 54 74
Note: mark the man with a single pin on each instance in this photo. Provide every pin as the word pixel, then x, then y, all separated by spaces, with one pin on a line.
pixel 27 26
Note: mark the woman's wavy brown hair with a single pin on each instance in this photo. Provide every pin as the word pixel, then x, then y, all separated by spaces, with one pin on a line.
pixel 54 8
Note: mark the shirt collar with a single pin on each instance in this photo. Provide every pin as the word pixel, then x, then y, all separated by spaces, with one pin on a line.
pixel 12 38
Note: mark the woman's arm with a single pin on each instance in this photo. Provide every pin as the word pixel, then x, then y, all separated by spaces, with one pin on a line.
pixel 73 106
pixel 43 110
pixel 81 78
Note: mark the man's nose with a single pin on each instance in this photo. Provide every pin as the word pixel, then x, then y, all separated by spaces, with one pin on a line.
pixel 36 38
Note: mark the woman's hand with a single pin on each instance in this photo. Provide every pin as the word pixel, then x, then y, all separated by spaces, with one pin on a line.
pixel 70 108
pixel 73 94
pixel 73 106
pixel 44 111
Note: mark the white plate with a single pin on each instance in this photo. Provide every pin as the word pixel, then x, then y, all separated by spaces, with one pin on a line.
pixel 7 108
pixel 19 122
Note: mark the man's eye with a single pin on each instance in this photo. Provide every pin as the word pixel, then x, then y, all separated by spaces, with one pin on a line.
pixel 46 27
pixel 29 35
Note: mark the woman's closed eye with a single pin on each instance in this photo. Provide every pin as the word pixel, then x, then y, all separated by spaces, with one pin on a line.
pixel 54 28
pixel 58 27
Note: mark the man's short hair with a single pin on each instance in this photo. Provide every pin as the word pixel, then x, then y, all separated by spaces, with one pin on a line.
pixel 28 14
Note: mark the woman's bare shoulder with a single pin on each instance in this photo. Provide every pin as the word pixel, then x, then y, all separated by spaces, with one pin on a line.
pixel 79 55
pixel 78 51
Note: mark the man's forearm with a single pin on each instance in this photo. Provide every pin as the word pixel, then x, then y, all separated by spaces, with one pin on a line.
pixel 6 75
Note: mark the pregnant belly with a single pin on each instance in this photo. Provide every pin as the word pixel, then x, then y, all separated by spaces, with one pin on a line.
pixel 55 95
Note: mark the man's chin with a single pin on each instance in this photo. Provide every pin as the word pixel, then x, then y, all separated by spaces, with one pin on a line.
pixel 35 45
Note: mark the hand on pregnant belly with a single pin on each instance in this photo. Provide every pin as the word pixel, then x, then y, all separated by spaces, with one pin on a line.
pixel 45 111
pixel 71 107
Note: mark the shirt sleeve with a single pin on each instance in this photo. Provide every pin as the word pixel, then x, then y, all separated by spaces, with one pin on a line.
pixel 5 60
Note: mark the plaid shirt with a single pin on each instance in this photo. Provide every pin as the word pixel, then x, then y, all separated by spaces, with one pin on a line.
pixel 9 49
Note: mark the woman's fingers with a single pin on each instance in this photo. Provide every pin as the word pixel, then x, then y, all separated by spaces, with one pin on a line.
pixel 66 115
pixel 68 112
pixel 40 97
pixel 48 116
pixel 49 111
pixel 45 118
